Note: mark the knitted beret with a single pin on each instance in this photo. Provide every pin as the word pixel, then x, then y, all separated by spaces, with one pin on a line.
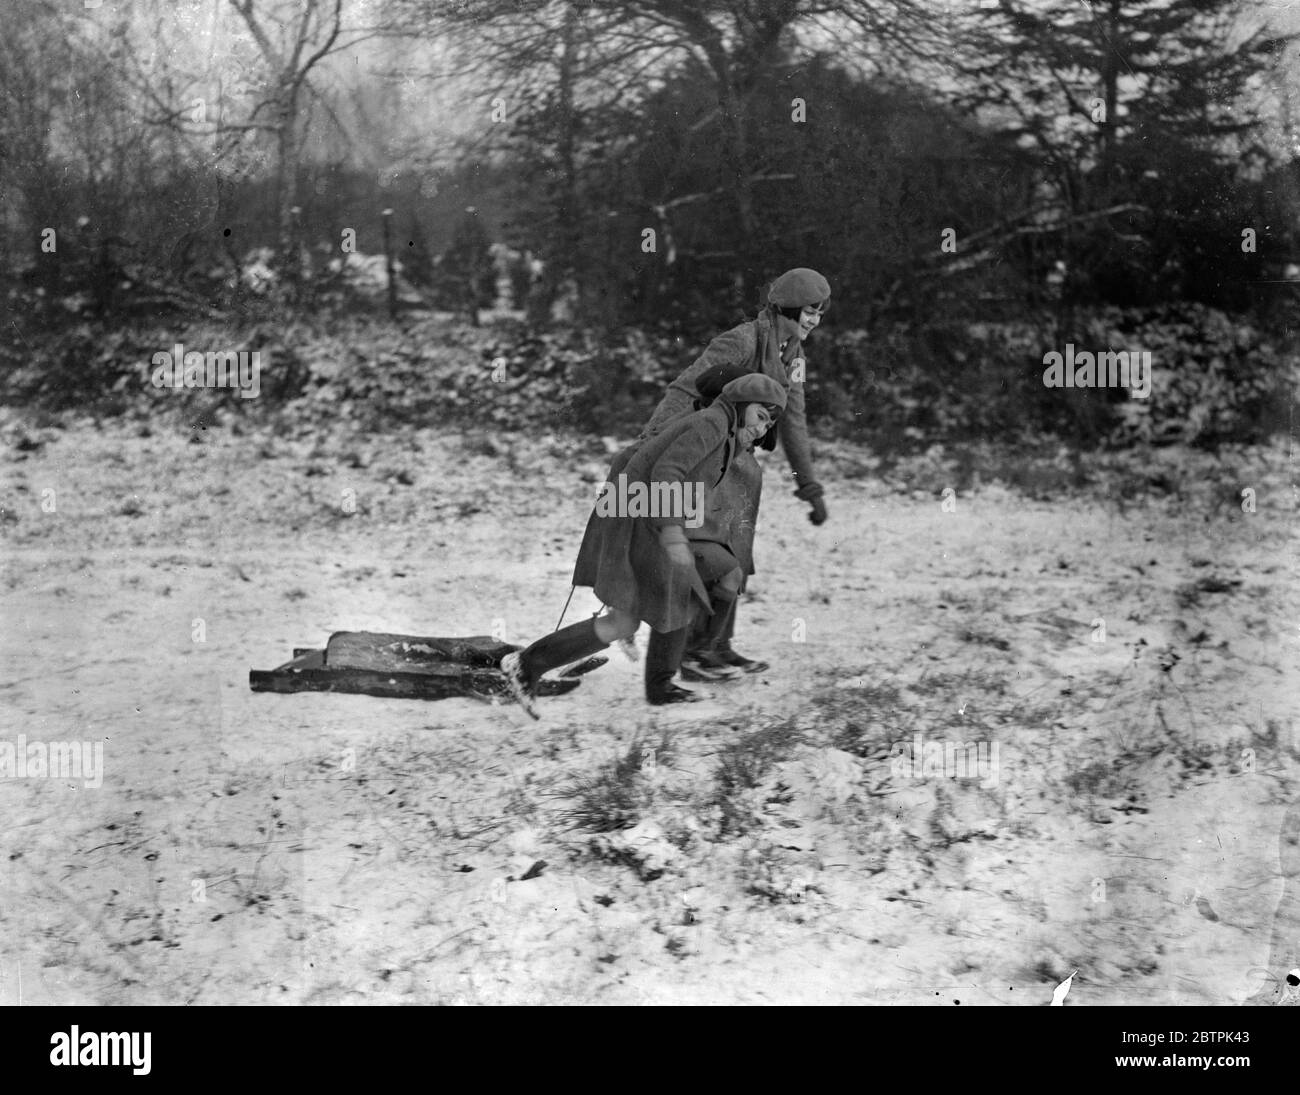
pixel 755 388
pixel 799 288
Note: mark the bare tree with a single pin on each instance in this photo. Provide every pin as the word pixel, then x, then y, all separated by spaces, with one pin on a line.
pixel 71 150
pixel 291 39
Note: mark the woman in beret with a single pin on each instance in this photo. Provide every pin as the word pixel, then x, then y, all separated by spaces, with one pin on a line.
pixel 770 345
pixel 648 561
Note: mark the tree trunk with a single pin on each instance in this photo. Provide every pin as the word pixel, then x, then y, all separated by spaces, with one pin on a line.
pixel 565 264
pixel 286 188
pixel 1110 82
pixel 735 161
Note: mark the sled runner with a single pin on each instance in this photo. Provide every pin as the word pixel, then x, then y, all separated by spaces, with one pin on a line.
pixel 415 667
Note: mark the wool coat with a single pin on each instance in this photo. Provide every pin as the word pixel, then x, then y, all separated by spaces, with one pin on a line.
pixel 621 557
pixel 751 347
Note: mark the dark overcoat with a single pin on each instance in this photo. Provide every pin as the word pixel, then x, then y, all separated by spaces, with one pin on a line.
pixel 621 557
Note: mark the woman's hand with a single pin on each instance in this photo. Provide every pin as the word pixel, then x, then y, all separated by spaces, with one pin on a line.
pixel 672 538
pixel 680 555
pixel 812 494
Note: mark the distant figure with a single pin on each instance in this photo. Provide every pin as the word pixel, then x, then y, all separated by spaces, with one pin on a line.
pixel 469 273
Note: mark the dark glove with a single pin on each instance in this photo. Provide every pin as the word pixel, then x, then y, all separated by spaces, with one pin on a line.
pixel 812 494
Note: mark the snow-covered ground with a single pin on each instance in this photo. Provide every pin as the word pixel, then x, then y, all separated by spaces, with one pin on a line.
pixel 1122 664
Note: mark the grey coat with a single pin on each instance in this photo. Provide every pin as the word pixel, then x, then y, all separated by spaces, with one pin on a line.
pixel 748 346
pixel 621 557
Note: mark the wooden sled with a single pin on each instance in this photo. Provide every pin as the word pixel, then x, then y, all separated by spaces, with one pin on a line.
pixel 413 667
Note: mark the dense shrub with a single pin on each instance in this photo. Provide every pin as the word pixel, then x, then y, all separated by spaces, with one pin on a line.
pixel 1214 379
pixel 898 388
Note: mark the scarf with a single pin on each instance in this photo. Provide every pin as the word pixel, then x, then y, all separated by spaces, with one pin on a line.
pixel 771 358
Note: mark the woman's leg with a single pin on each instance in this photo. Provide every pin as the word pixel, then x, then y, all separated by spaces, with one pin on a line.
pixel 572 643
pixel 742 492
pixel 724 578
pixel 721 574
pixel 722 599
pixel 616 625
pixel 730 657
pixel 662 659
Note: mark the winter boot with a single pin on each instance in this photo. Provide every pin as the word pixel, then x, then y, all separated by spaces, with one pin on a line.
pixel 662 659
pixel 723 652
pixel 524 669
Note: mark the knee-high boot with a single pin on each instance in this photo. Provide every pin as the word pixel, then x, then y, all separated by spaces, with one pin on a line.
pixel 662 659
pixel 559 648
